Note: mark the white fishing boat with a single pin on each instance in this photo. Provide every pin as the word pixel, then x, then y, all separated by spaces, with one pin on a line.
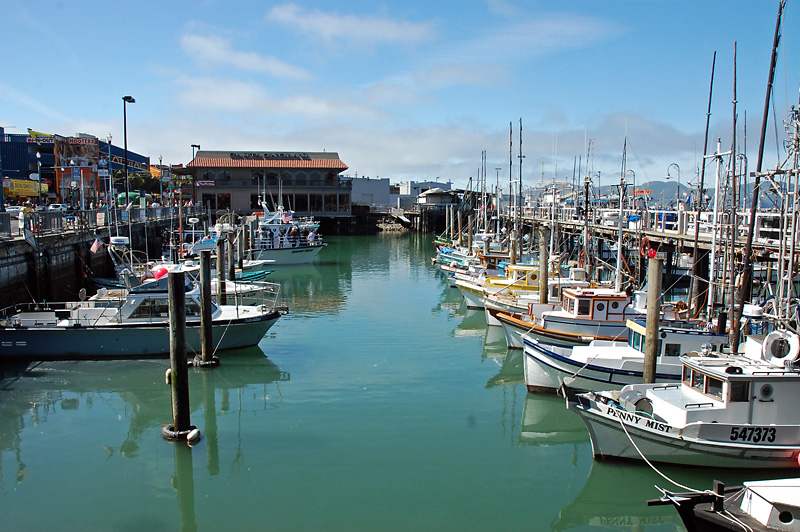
pixel 124 323
pixel 284 249
pixel 757 506
pixel 737 411
pixel 604 365
pixel 584 315
pixel 518 277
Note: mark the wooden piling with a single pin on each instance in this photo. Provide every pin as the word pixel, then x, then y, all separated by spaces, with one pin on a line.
pixel 654 270
pixel 178 374
pixel 206 357
pixel 231 262
pixel 222 298
pixel 544 260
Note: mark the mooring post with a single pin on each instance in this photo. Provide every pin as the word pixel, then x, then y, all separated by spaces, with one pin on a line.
pixel 469 232
pixel 206 357
pixel 221 288
pixel 178 374
pixel 544 263
pixel 460 230
pixel 654 269
pixel 240 237
pixel 231 258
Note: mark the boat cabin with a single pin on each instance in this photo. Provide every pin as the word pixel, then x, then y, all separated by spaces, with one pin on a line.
pixel 595 303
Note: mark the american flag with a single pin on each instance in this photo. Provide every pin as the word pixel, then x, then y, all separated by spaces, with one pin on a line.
pixel 287 217
pixel 96 245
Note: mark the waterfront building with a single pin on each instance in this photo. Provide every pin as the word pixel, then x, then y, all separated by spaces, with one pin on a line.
pixel 307 183
pixel 63 169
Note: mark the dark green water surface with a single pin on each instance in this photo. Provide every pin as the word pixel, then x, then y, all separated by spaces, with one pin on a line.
pixel 378 403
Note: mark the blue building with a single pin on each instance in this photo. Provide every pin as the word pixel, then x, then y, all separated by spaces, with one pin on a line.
pixel 64 169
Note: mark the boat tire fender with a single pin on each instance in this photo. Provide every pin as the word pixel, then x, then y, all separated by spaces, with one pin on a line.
pixel 168 432
pixel 198 362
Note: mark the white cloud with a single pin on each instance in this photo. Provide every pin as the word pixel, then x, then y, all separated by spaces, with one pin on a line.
pixel 23 100
pixel 216 50
pixel 350 28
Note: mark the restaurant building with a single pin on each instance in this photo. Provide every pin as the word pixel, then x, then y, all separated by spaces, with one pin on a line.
pixel 307 183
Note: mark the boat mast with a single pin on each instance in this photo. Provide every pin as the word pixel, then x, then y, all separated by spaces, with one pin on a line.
pixel 518 225
pixel 748 248
pixel 734 204
pixel 694 284
pixel 622 184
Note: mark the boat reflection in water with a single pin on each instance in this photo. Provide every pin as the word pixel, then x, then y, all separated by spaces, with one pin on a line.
pixel 510 362
pixel 546 421
pixel 615 497
pixel 52 397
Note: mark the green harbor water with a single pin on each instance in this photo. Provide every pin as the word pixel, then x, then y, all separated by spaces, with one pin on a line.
pixel 378 403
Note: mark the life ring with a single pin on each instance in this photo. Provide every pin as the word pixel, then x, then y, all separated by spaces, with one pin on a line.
pixel 781 348
pixel 644 247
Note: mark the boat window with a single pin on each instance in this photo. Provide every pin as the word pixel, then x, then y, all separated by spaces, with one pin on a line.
pixel 687 376
pixel 615 305
pixel 697 381
pixel 600 307
pixel 192 308
pixel 151 308
pixel 714 387
pixel 739 391
pixel 584 307
pixel 672 350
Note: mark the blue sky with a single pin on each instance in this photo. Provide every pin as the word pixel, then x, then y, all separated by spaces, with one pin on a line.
pixel 407 90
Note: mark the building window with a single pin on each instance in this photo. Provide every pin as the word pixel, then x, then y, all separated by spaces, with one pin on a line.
pixel 208 175
pixel 254 204
pixel 331 204
pixel 224 175
pixel 300 179
pixel 257 176
pixel 344 202
pixel 316 202
pixel 301 202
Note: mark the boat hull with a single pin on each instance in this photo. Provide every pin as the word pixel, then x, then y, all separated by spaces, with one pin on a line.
pixel 546 367
pixel 290 255
pixel 127 340
pixel 660 442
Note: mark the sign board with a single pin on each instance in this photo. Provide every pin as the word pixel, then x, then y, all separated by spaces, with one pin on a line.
pixel 102 172
pixel 206 183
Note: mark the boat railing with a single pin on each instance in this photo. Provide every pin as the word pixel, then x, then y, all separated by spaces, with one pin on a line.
pixel 283 241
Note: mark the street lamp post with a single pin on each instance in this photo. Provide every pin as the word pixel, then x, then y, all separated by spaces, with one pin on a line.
pixel 194 179
pixel 678 190
pixel 39 174
pixel 125 101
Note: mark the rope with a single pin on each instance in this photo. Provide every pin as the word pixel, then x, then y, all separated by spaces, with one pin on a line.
pixel 665 477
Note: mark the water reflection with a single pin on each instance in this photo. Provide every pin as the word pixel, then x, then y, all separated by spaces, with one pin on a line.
pixel 510 368
pixel 35 394
pixel 546 421
pixel 615 496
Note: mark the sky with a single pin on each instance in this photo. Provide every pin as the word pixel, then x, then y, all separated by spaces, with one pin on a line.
pixel 412 90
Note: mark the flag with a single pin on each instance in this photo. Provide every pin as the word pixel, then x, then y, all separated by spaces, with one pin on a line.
pixel 96 245
pixel 287 217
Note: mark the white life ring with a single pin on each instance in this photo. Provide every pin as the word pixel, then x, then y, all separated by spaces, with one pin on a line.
pixel 781 348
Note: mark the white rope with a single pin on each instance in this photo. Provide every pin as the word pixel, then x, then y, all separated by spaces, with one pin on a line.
pixel 665 477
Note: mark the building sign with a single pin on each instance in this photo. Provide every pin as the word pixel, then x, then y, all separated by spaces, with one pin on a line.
pixel 640 191
pixel 269 155
pixel 21 187
pixel 206 183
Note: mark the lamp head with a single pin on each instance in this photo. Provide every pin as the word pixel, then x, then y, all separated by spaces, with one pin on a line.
pixel 128 99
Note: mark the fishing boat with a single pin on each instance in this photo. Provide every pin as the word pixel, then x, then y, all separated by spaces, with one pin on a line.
pixel 728 411
pixel 606 364
pixel 286 248
pixel 124 323
pixel 584 315
pixel 513 301
pixel 756 506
